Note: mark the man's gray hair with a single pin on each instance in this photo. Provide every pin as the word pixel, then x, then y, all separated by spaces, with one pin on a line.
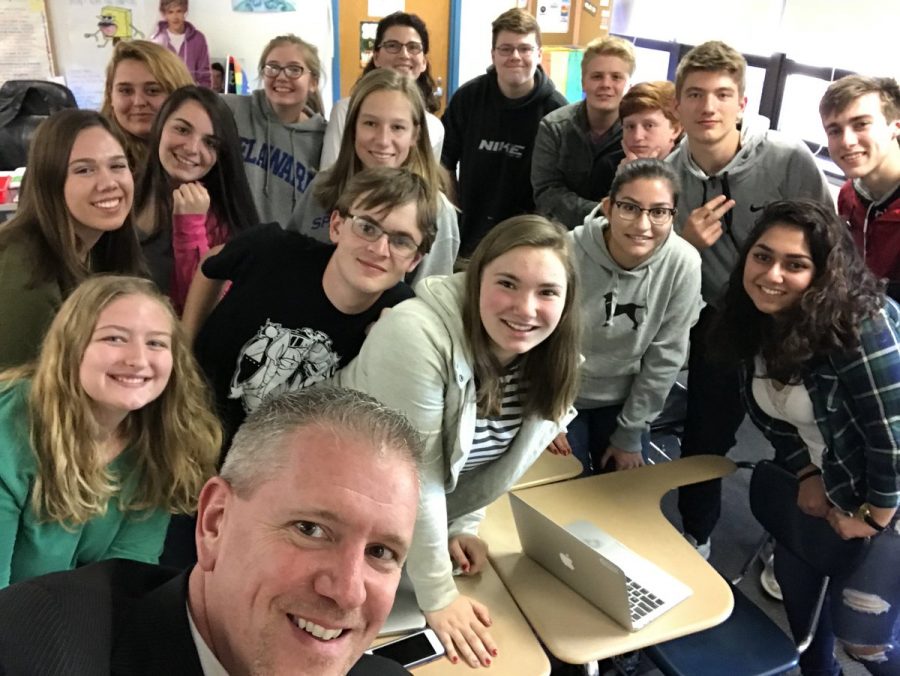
pixel 257 454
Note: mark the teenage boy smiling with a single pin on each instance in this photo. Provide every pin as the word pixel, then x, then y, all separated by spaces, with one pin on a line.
pixel 731 165
pixel 297 309
pixel 579 147
pixel 861 116
pixel 490 127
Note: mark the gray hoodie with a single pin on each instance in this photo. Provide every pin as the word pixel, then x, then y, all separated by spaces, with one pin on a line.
pixel 280 159
pixel 768 166
pixel 636 326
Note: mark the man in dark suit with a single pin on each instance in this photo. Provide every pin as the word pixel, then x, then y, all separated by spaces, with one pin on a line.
pixel 300 542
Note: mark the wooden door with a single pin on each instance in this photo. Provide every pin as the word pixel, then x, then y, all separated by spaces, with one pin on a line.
pixel 435 14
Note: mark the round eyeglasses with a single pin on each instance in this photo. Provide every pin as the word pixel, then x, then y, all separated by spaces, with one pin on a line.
pixel 293 71
pixel 394 47
pixel 657 215
pixel 507 50
pixel 401 245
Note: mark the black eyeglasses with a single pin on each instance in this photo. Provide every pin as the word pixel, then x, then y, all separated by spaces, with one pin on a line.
pixel 293 71
pixel 507 50
pixel 394 47
pixel 402 246
pixel 657 215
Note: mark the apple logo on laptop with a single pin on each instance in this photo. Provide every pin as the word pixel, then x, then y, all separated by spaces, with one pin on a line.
pixel 567 560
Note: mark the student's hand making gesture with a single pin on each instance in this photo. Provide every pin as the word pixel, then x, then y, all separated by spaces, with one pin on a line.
pixel 190 198
pixel 704 226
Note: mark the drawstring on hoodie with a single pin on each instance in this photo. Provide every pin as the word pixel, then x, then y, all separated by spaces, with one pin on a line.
pixel 614 298
pixel 266 169
pixel 728 218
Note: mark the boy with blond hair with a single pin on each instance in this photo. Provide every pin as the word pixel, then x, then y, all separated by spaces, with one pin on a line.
pixel 731 165
pixel 861 116
pixel 579 146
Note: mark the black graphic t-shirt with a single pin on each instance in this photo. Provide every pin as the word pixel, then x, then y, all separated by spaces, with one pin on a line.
pixel 275 330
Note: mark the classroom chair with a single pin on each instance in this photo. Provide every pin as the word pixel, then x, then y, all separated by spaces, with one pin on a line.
pixel 669 423
pixel 748 643
pixel 24 104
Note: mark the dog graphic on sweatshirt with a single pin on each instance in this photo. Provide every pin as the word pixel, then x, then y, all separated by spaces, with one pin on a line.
pixel 627 309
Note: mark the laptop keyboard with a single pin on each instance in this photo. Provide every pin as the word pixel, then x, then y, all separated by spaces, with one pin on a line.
pixel 641 601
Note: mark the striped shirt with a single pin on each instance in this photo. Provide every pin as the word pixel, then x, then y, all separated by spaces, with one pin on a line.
pixel 495 434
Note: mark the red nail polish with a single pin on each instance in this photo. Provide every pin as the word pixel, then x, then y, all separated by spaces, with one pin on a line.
pixel 488 661
pixel 454 659
pixel 494 652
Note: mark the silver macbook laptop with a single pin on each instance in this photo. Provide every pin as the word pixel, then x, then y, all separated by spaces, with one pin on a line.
pixel 623 584
pixel 405 615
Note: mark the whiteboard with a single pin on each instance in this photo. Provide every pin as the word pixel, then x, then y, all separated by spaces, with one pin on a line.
pixel 24 41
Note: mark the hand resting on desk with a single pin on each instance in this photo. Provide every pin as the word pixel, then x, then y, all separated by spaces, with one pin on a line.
pixel 462 629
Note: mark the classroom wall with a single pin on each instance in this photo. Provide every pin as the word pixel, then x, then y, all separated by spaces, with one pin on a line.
pixel 818 32
pixel 82 60
pixel 858 35
pixel 475 35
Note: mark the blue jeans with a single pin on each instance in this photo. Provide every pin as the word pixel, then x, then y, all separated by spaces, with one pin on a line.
pixel 589 433
pixel 862 608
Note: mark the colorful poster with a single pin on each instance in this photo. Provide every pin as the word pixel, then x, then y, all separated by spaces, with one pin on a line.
pixel 263 6
pixel 553 15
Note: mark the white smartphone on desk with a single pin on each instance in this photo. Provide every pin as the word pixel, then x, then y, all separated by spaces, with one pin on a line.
pixel 412 650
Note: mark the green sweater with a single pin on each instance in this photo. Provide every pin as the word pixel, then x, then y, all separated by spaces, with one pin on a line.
pixel 29 547
pixel 26 312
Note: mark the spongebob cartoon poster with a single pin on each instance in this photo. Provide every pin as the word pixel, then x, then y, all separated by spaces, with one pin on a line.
pixel 263 6
pixel 114 24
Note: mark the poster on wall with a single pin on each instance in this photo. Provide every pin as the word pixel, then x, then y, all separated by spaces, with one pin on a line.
pixel 553 15
pixel 263 6
pixel 24 48
pixel 86 31
pixel 114 24
pixel 385 7
pixel 367 30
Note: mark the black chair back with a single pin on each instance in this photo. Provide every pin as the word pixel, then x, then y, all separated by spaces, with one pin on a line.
pixel 24 104
pixel 773 501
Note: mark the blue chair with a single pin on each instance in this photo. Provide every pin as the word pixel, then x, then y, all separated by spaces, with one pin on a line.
pixel 748 643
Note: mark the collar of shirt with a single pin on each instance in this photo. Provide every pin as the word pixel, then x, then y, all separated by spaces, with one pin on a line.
pixel 208 661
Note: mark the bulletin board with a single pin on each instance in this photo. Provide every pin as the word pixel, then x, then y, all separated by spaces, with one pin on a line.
pixel 25 51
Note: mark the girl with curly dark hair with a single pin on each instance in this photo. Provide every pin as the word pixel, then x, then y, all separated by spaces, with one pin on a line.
pixel 818 341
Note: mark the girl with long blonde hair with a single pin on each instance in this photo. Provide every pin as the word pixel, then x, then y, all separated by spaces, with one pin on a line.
pixel 108 433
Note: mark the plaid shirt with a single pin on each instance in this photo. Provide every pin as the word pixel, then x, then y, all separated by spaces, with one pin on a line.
pixel 856 403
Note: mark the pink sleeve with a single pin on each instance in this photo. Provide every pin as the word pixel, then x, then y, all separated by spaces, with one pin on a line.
pixel 190 240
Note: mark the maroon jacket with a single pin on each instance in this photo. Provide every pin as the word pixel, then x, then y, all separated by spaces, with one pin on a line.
pixel 875 227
